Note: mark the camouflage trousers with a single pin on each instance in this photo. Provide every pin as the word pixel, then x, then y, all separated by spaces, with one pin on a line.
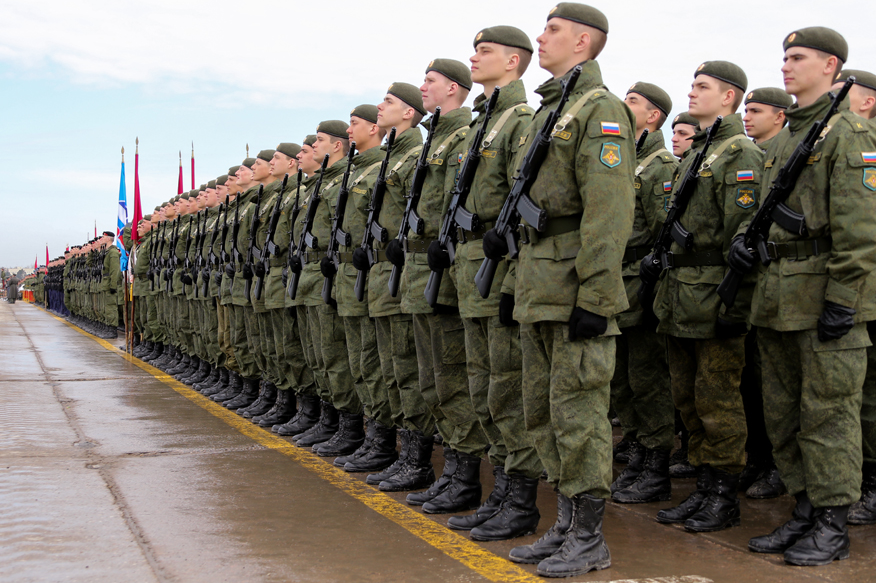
pixel 868 412
pixel 299 377
pixel 705 387
pixel 640 390
pixel 330 346
pixel 309 355
pixel 183 324
pixel 110 309
pixel 223 332
pixel 757 445
pixel 210 328
pixel 398 361
pixel 440 342
pixel 565 405
pixel 271 370
pixel 495 386
pixel 812 404
pixel 252 326
pixel 246 364
pixel 365 368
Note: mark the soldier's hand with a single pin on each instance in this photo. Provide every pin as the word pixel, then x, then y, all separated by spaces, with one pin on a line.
pixel 229 270
pixel 360 260
pixel 835 321
pixel 738 257
pixel 247 271
pixel 218 278
pixel 506 310
pixel 725 329
pixel 495 247
pixel 294 264
pixel 259 269
pixel 649 270
pixel 186 278
pixel 584 324
pixel 285 277
pixel 437 256
pixel 327 267
pixel 395 253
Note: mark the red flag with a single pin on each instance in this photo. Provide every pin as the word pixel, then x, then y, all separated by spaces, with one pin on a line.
pixel 35 266
pixel 138 210
pixel 193 165
pixel 95 228
pixel 179 187
pixel 47 257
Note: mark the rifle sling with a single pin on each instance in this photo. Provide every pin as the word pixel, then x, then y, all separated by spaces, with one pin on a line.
pixel 641 167
pixel 720 150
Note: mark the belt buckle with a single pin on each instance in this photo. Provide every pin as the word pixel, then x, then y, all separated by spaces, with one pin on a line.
pixel 405 245
pixel 772 250
pixel 460 235
pixel 668 260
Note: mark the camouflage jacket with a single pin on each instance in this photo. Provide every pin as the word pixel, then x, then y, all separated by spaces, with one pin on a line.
pixel 295 234
pixel 140 256
pixel 587 175
pixel 269 197
pixel 247 210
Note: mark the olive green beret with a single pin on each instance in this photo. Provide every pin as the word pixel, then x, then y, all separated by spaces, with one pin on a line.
pixel 367 112
pixel 266 155
pixel 211 184
pixel 453 70
pixel 202 188
pixel 183 196
pixel 233 170
pixel 724 71
pixel 222 180
pixel 409 94
pixel 147 218
pixel 770 96
pixel 686 118
pixel 580 13
pixel 508 36
pixel 194 193
pixel 862 78
pixel 288 148
pixel 820 39
pixel 310 140
pixel 654 94
pixel 333 127
pixel 248 163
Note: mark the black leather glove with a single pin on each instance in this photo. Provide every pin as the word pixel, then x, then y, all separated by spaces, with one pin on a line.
pixel 186 278
pixel 333 303
pixel 229 270
pixel 285 276
pixel 247 271
pixel 738 258
pixel 495 247
pixel 835 321
pixel 871 330
pixel 294 264
pixel 395 253
pixel 725 329
pixel 506 310
pixel 259 269
pixel 166 275
pixel 327 267
pixel 360 260
pixel 649 272
pixel 218 278
pixel 584 324
pixel 437 257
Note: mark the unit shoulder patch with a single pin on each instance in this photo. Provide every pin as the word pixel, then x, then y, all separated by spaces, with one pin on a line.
pixel 610 154
pixel 870 178
pixel 745 197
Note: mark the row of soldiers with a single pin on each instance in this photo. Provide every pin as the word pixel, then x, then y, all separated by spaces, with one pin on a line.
pixel 366 287
pixel 48 285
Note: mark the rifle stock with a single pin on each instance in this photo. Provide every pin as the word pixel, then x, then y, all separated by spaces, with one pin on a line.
pixel 306 236
pixel 338 220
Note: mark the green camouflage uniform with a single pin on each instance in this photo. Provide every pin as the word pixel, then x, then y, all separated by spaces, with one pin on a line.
pixel 244 327
pixel 588 175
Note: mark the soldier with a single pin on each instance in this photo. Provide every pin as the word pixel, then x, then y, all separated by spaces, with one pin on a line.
pixel 640 388
pixel 765 114
pixel 140 257
pixel 569 289
pixel 684 128
pixel 810 310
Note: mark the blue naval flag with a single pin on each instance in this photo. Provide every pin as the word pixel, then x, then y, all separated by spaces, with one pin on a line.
pixel 122 219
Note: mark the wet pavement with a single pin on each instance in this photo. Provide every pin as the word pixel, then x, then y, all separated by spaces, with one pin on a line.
pixel 108 473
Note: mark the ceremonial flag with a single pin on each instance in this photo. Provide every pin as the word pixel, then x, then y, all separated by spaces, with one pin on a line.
pixel 179 187
pixel 122 217
pixel 138 208
pixel 193 165
pixel 35 266
pixel 95 228
pixel 47 257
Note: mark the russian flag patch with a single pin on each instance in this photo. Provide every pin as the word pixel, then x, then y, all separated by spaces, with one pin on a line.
pixel 667 186
pixel 745 176
pixel 869 157
pixel 610 128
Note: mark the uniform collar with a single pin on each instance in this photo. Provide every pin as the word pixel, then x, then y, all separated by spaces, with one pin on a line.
pixel 590 78
pixel 653 142
pixel 801 118
pixel 510 95
pixel 731 126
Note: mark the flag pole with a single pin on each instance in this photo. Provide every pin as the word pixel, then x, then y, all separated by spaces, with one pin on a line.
pixel 193 165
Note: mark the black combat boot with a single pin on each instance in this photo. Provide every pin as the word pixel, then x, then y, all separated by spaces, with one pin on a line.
pixel 784 537
pixel 246 397
pixel 143 349
pixel 220 385
pixel 621 451
pixel 306 417
pixel 692 503
pixel 182 364
pixel 169 359
pixel 768 484
pixel 827 541
pixel 720 509
pixel 441 484
pixel 653 483
pixel 405 437
pixel 517 516
pixel 635 465
pixel 551 541
pixel 196 368
pixel 267 397
pixel 282 411
pixel 208 382
pixel 464 492
pixel 157 352
pixel 323 430
pixel 348 438
pixel 380 456
pixel 488 508
pixel 235 385
pixel 203 373
pixel 417 472
pixel 584 549
pixel 755 465
pixel 370 432
pixel 864 510
pixel 679 465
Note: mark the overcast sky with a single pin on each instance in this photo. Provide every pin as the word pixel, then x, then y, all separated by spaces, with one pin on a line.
pixel 79 80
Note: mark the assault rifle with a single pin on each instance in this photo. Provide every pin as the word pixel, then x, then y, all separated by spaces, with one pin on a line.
pixel 212 259
pixel 338 235
pixel 293 218
pixel 171 256
pixel 457 215
pixel 250 248
pixel 640 143
pixel 410 219
pixel 773 208
pixel 307 239
pixel 672 230
pixel 518 205
pixel 187 264
pixel 373 229
pixel 269 248
pixel 234 255
pixel 223 254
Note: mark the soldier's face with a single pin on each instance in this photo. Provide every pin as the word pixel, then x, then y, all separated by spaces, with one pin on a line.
pixel 489 63
pixel 436 89
pixel 244 177
pixel 210 197
pixel 759 120
pixel 706 97
pixel 556 45
pixel 221 192
pixel 639 106
pixel 280 164
pixel 682 134
pixel 260 170
pixel 391 112
pixel 859 101
pixel 360 129
pixel 323 147
pixel 231 185
pixel 803 69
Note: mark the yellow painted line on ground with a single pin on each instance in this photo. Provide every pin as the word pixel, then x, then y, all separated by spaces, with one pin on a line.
pixel 457 547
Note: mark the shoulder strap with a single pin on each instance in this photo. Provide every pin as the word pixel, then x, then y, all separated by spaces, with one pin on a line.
pixel 365 173
pixel 499 125
pixel 576 107
pixel 717 153
pixel 641 167
pixel 412 152
pixel 446 142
